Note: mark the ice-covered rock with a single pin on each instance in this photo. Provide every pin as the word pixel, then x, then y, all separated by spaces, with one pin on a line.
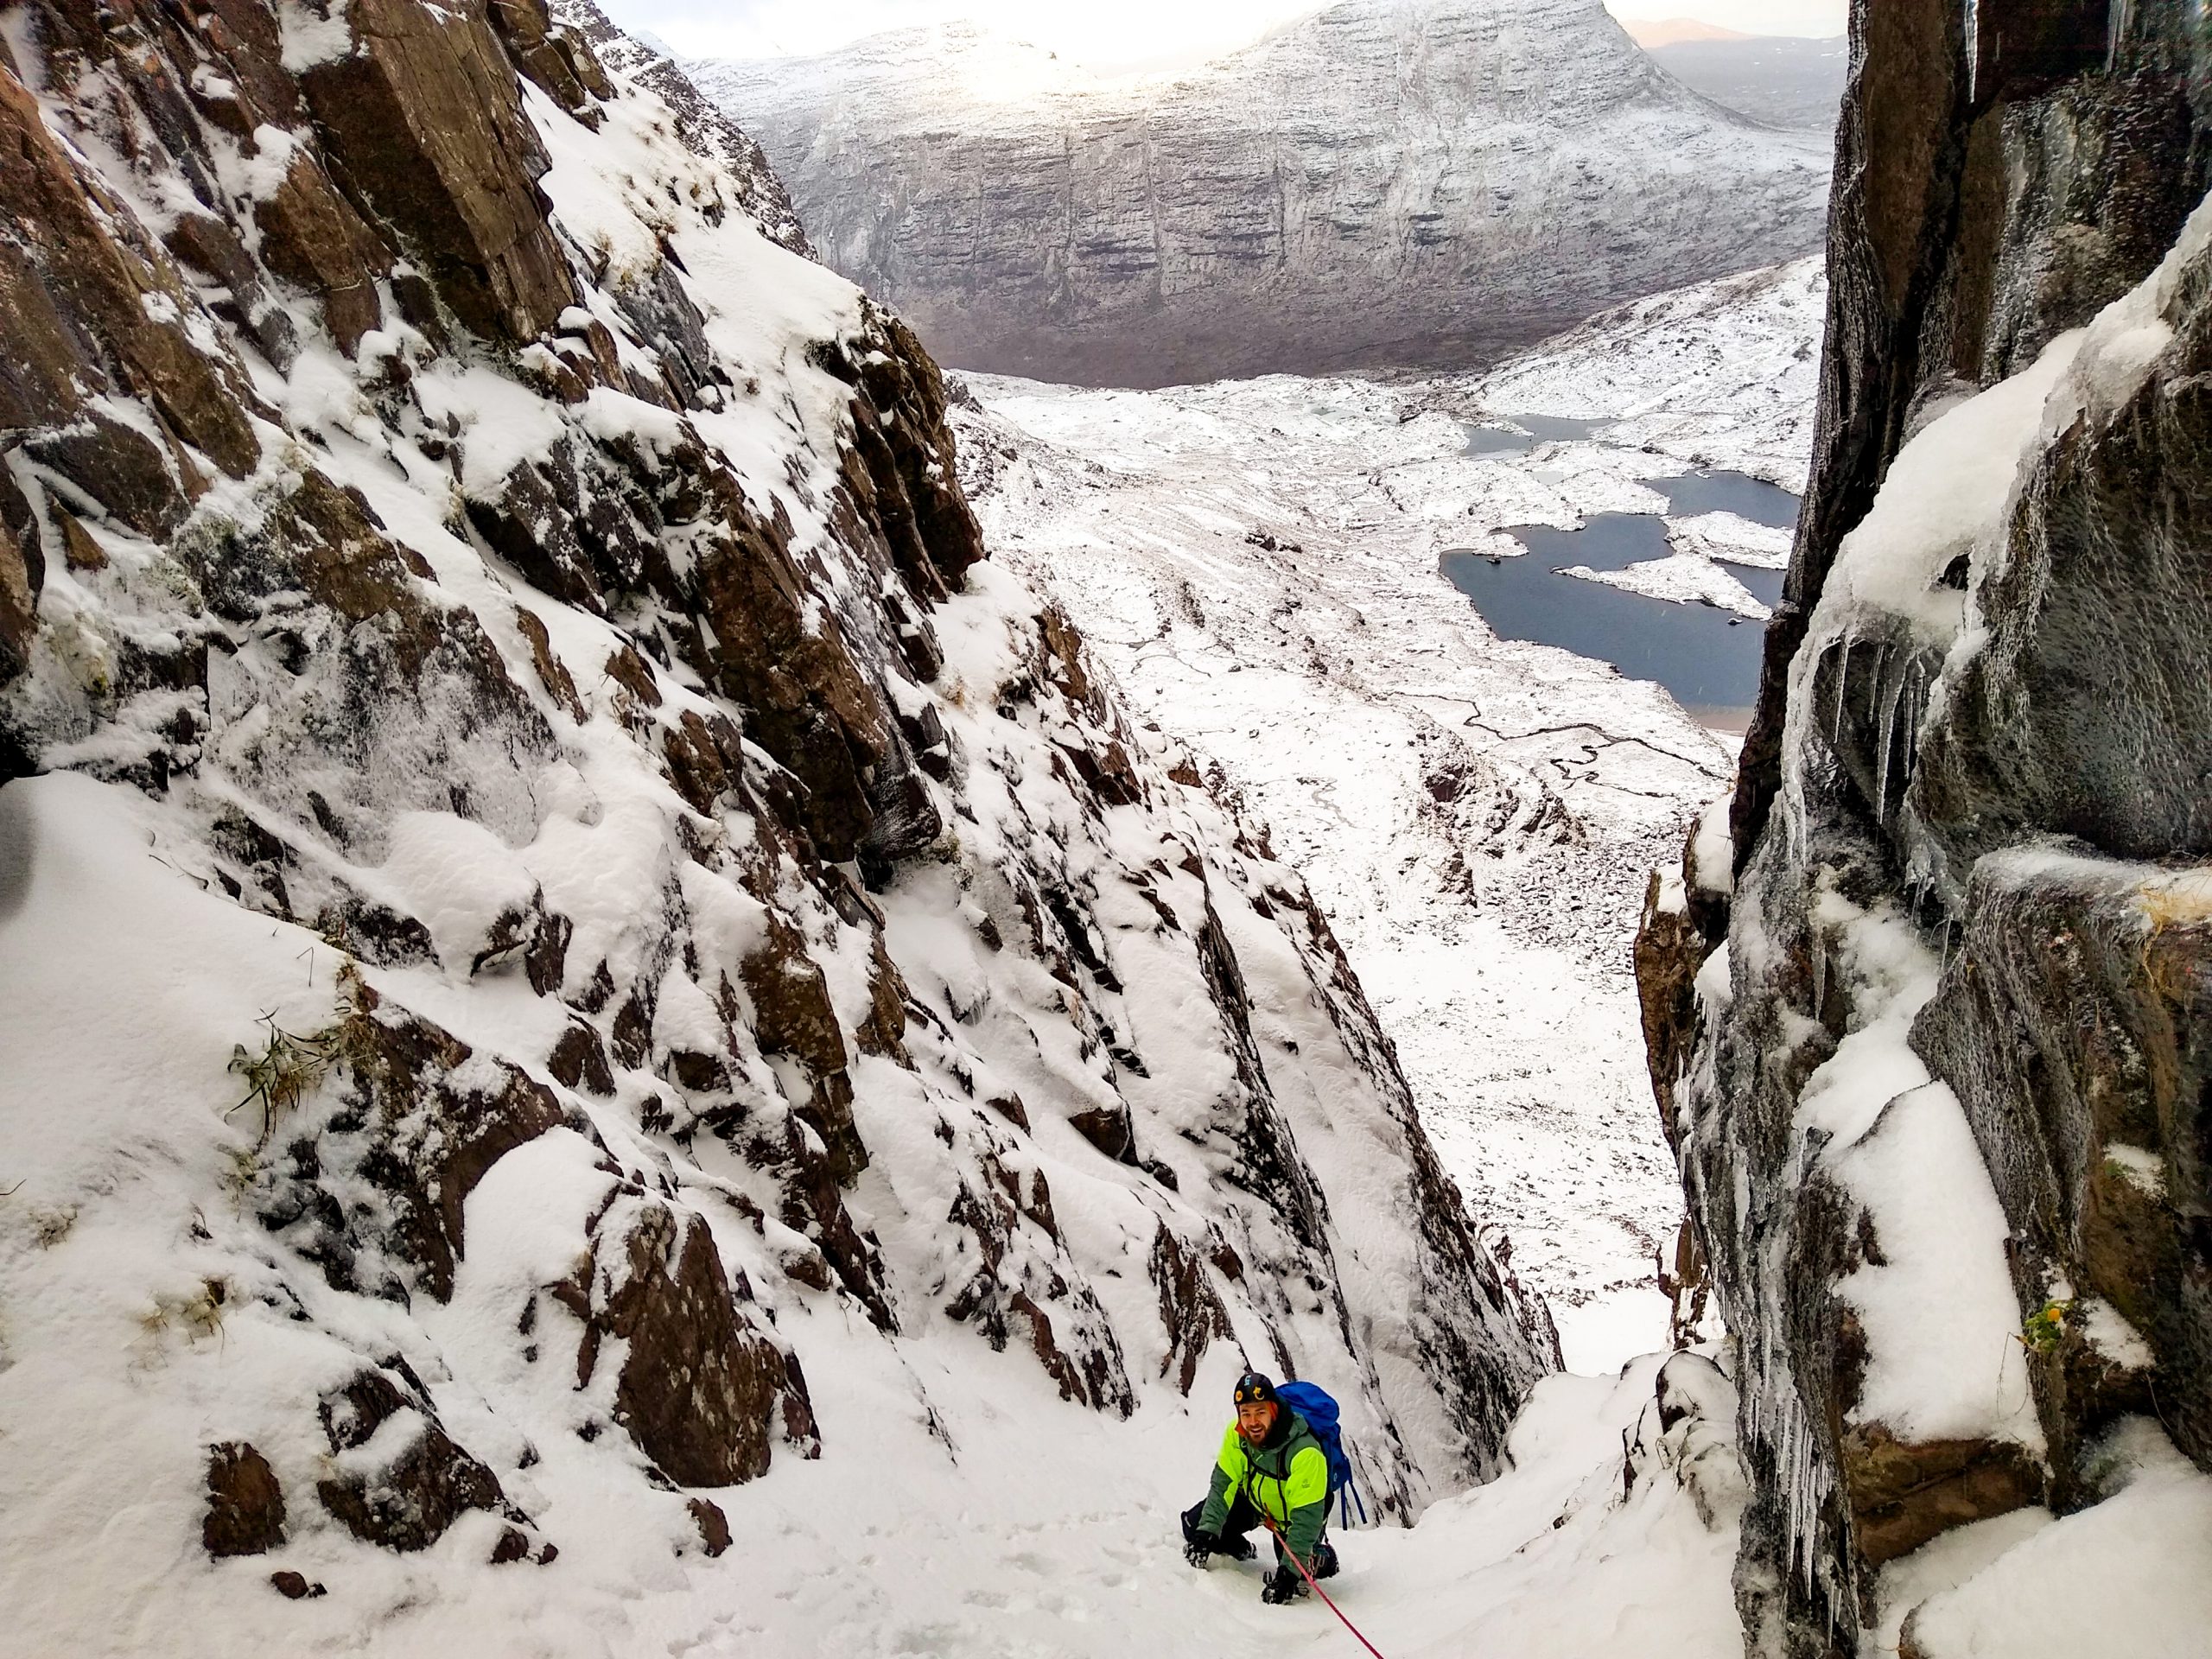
pixel 1938 1093
pixel 1429 182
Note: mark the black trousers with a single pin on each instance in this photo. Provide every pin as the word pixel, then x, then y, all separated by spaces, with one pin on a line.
pixel 1243 1518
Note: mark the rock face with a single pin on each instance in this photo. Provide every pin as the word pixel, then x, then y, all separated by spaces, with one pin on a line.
pixel 682 912
pixel 1964 977
pixel 1427 182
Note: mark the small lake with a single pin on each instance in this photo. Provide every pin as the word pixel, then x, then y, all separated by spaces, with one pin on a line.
pixel 1706 658
pixel 1539 429
pixel 1738 493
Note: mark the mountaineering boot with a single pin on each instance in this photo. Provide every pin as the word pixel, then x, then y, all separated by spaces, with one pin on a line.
pixel 1238 1549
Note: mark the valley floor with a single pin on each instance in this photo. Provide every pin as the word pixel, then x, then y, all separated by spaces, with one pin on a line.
pixel 1258 563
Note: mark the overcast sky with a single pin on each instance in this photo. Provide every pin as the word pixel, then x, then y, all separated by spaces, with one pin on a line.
pixel 1119 34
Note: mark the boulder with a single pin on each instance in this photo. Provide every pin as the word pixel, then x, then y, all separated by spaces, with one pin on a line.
pixel 398 1479
pixel 246 1504
pixel 702 1390
pixel 311 235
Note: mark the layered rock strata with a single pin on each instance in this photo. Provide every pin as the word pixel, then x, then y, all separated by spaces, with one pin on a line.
pixel 1432 183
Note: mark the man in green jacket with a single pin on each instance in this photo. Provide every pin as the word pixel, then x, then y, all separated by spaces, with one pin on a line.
pixel 1271 1471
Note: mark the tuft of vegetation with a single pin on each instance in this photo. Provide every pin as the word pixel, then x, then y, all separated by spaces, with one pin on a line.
pixel 283 1072
pixel 198 1312
pixel 2042 1330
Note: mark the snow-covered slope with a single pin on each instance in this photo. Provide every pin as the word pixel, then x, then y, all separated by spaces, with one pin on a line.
pixel 1431 182
pixel 566 947
pixel 1258 563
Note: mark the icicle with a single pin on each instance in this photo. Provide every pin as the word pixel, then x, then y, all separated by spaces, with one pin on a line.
pixel 1842 694
pixel 1916 709
pixel 1889 691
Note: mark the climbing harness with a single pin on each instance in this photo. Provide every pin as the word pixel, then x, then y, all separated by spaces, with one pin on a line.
pixel 1315 1587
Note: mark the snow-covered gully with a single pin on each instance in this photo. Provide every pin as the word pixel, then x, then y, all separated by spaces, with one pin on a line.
pixel 669 985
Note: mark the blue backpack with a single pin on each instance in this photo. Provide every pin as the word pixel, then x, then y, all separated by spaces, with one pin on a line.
pixel 1319 1408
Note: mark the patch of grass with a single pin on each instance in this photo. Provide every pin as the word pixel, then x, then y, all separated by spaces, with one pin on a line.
pixel 2181 901
pixel 288 1066
pixel 200 1312
pixel 283 1072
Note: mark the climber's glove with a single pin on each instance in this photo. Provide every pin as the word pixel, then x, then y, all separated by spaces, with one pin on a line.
pixel 1201 1548
pixel 1283 1585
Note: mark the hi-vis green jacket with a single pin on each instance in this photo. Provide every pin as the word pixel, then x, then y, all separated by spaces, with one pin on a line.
pixel 1287 1480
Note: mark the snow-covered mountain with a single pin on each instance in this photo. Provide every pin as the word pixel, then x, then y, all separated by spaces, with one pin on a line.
pixel 583 982
pixel 1788 82
pixel 1431 182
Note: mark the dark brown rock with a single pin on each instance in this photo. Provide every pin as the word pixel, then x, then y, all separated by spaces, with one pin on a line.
pixel 713 1524
pixel 318 537
pixel 246 1503
pixel 634 675
pixel 415 1134
pixel 407 1500
pixel 1108 1129
pixel 706 758
pixel 424 125
pixel 578 1061
pixel 555 59
pixel 552 673
pixel 1079 1350
pixel 1903 1494
pixel 810 707
pixel 311 235
pixel 700 1389
pixel 882 1033
pixel 137 481
pixel 1668 953
pixel 18 607
pixel 294 1587
pixel 793 1016
pixel 211 247
pixel 2079 1047
pixel 80 550
pixel 1190 1307
pixel 77 303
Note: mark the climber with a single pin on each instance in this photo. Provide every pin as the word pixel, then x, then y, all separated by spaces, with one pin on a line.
pixel 1272 1470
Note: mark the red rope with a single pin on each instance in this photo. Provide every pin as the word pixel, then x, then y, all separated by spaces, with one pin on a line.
pixel 1315 1587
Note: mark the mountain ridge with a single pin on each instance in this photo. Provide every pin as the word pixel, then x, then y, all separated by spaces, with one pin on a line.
pixel 1379 184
